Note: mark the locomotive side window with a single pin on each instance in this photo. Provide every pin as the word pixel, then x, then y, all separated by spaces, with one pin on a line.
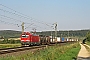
pixel 25 36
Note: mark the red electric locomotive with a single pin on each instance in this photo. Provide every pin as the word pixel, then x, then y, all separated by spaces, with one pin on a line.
pixel 30 39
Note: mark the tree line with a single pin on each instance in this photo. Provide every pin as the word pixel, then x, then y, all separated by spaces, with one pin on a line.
pixel 88 36
pixel 70 33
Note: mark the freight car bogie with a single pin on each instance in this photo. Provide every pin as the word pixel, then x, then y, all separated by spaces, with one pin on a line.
pixel 44 40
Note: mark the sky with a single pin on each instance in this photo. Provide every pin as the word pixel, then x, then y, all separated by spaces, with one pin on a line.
pixel 42 14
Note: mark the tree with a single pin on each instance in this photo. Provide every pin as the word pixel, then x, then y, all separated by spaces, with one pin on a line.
pixel 88 36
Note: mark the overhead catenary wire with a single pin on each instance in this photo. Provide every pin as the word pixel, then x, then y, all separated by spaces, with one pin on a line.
pixel 24 16
pixel 13 13
pixel 5 18
pixel 31 19
pixel 28 18
pixel 8 23
pixel 12 9
pixel 29 25
pixel 18 15
pixel 35 26
pixel 11 18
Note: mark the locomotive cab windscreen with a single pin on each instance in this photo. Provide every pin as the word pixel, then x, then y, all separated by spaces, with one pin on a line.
pixel 25 36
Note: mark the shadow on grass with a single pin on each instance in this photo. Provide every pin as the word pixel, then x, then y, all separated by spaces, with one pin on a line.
pixel 83 58
pixel 74 58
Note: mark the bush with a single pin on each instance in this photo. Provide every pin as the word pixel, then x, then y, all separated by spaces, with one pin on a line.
pixel 6 41
pixel 88 36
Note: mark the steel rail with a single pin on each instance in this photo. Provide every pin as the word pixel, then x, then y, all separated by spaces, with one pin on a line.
pixel 16 49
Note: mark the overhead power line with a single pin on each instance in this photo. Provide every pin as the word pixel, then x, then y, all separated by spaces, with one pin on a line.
pixel 28 18
pixel 12 9
pixel 8 23
pixel 24 16
pixel 10 18
pixel 21 15
pixel 13 13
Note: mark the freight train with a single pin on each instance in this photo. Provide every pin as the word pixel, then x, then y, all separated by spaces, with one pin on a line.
pixel 28 38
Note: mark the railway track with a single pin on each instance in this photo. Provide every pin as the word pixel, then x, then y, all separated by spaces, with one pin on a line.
pixel 17 49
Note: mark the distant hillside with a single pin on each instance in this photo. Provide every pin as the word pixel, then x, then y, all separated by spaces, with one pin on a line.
pixel 10 33
pixel 71 33
pixel 74 33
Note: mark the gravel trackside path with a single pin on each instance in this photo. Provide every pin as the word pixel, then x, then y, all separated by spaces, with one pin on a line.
pixel 83 54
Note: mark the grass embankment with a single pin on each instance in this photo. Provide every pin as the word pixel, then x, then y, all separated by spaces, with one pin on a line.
pixel 9 45
pixel 66 52
pixel 88 42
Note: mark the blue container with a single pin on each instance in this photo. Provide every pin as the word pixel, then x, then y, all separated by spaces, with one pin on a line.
pixel 62 39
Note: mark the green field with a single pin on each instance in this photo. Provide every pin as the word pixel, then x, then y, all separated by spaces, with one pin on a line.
pixel 66 52
pixel 9 45
pixel 88 42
